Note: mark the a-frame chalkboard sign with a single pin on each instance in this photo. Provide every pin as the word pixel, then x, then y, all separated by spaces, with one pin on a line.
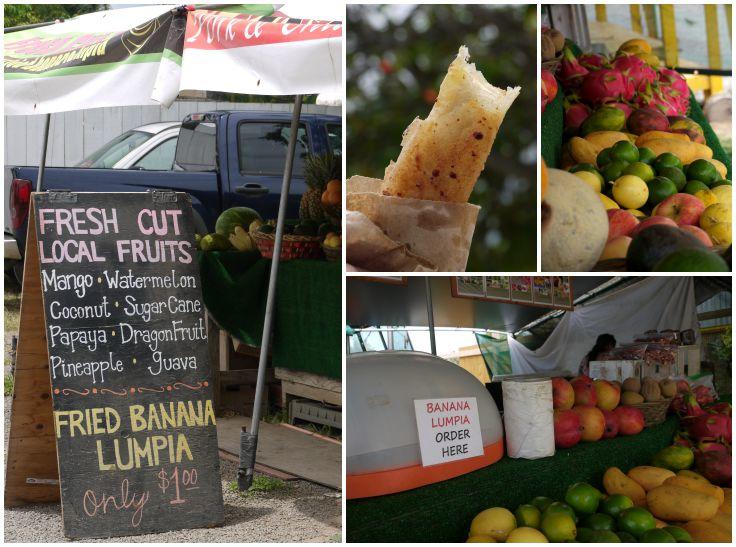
pixel 113 401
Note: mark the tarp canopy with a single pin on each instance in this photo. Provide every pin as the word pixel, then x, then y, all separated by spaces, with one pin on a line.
pixel 651 303
pixel 146 55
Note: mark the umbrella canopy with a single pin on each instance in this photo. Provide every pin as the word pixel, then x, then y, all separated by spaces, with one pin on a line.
pixel 146 55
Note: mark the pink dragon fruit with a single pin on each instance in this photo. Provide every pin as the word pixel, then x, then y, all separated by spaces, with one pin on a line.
pixel 715 466
pixel 623 107
pixel 636 69
pixel 593 61
pixel 682 386
pixel 690 407
pixel 606 86
pixel 719 408
pixel 549 88
pixel 570 72
pixel 710 427
pixel 575 115
pixel 711 446
pixel 675 84
pixel 703 394
pixel 681 439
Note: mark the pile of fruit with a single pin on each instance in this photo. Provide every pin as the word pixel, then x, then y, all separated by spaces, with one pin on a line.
pixel 553 42
pixel 231 231
pixel 589 410
pixel 661 503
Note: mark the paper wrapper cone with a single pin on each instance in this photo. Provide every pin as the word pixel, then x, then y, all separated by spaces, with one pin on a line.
pixel 393 234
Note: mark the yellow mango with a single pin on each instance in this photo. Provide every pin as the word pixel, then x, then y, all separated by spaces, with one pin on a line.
pixel 651 135
pixel 615 482
pixel 678 504
pixel 650 477
pixel 688 152
pixel 722 521
pixel 605 139
pixel 706 532
pixel 583 151
pixel 697 486
pixel 692 475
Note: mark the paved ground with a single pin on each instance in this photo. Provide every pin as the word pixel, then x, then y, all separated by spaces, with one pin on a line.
pixel 298 512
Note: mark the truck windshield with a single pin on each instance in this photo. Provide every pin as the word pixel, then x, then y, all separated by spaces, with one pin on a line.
pixel 111 153
pixel 196 150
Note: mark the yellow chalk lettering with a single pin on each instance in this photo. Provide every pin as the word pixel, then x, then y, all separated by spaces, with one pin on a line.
pixel 101 460
pixel 137 421
pixel 182 447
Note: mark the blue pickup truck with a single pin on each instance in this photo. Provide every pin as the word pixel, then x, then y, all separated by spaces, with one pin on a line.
pixel 223 159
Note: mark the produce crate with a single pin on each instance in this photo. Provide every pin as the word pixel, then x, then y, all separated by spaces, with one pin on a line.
pixel 615 370
pixel 688 360
pixel 658 371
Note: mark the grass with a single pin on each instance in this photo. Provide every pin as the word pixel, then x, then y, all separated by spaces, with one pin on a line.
pixel 261 483
pixel 12 308
pixel 9 381
pixel 280 417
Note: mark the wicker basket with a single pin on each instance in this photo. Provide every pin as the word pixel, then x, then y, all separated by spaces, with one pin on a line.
pixel 332 254
pixel 292 246
pixel 654 412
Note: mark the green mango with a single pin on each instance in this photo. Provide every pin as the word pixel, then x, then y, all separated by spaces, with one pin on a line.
pixel 606 118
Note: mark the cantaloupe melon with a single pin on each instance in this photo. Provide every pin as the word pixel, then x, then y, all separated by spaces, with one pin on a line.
pixel 578 226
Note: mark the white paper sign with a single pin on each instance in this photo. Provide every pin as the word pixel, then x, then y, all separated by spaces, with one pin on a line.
pixel 449 429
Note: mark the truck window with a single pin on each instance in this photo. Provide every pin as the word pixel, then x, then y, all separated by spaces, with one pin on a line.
pixel 334 137
pixel 196 149
pixel 262 148
pixel 112 152
pixel 160 158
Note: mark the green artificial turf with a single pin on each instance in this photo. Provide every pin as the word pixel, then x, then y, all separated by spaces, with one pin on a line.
pixel 442 512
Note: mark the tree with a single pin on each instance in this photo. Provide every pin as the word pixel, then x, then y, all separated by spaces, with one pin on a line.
pixel 397 56
pixel 27 14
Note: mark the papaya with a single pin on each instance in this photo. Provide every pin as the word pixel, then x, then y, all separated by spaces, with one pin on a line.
pixel 696 486
pixel 706 532
pixel 606 118
pixel 650 477
pixel 723 521
pixel 692 475
pixel 583 151
pixel 687 152
pixel 632 384
pixel 678 504
pixel 615 482
pixel 606 139
pixel 642 139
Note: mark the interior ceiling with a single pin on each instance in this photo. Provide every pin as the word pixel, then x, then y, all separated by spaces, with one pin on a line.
pixel 372 303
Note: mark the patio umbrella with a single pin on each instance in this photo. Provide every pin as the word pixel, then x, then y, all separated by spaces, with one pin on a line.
pixel 146 55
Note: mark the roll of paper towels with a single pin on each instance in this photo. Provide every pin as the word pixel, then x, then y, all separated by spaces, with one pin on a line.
pixel 528 418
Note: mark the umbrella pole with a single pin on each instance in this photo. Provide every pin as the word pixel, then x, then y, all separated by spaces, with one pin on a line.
pixel 44 148
pixel 430 315
pixel 249 440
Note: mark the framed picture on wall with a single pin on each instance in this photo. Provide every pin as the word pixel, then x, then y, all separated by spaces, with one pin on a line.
pixel 469 286
pixel 521 289
pixel 562 292
pixel 542 289
pixel 498 288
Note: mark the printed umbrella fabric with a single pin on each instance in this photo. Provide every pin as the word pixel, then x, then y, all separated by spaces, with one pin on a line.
pixel 146 55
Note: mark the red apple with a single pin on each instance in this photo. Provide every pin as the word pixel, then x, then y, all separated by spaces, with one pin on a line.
pixel 682 208
pixel 620 223
pixel 563 396
pixel 630 420
pixel 607 395
pixel 611 427
pixel 584 391
pixel 568 429
pixel 651 221
pixel 593 422
pixel 616 248
pixel 701 234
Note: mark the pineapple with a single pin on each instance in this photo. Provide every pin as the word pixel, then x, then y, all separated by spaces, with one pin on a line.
pixel 318 170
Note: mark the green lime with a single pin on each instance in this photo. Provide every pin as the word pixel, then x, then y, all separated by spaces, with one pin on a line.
pixel 641 170
pixel 675 175
pixel 666 159
pixel 692 260
pixel 693 186
pixel 542 502
pixel 657 535
pixel 613 170
pixel 613 505
pixel 625 537
pixel 702 170
pixel 599 521
pixel 603 158
pixel 680 535
pixel 660 188
pixel 721 182
pixel 646 156
pixel 625 151
pixel 559 507
pixel 583 167
pixel 559 527
pixel 605 536
pixel 635 521
pixel 583 498
pixel 528 515
pixel 585 535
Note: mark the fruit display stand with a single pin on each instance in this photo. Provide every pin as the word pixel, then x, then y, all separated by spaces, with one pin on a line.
pixel 308 298
pixel 442 512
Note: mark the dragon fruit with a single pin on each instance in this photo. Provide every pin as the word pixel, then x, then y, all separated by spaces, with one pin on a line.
pixel 711 446
pixel 682 386
pixel 681 439
pixel 715 466
pixel 710 427
pixel 690 407
pixel 703 394
pixel 593 61
pixel 719 408
pixel 575 115
pixel 674 85
pixel 623 107
pixel 606 86
pixel 549 88
pixel 570 72
pixel 636 69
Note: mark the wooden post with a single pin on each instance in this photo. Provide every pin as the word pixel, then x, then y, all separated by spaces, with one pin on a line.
pixel 651 18
pixel 635 18
pixel 714 46
pixel 32 472
pixel 669 34
pixel 600 13
pixel 729 14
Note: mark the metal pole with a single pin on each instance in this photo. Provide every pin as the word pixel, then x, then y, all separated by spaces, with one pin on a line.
pixel 44 148
pixel 430 316
pixel 249 440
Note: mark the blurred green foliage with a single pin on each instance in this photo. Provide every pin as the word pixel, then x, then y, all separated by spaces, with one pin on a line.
pixel 397 56
pixel 27 14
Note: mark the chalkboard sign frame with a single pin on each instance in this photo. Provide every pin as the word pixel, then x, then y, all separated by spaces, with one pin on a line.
pixel 34 456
